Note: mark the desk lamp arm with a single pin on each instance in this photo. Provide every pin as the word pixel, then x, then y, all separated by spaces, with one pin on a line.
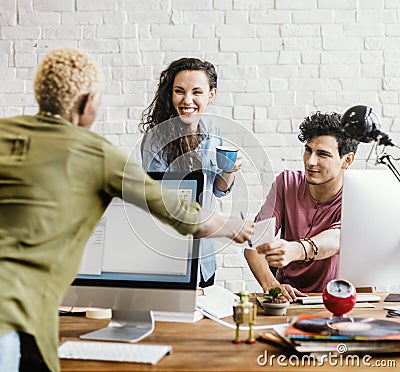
pixel 386 159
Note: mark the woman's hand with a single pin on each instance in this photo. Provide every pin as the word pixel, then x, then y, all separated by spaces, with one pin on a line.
pixel 226 177
pixel 238 164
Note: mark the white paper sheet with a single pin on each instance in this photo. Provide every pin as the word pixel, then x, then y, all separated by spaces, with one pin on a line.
pixel 264 232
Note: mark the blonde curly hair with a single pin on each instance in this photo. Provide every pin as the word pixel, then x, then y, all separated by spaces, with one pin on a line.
pixel 63 77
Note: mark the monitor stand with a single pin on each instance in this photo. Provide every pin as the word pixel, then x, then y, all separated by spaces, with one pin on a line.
pixel 125 326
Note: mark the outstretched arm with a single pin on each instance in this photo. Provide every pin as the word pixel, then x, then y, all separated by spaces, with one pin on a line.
pixel 280 253
pixel 214 225
pixel 148 194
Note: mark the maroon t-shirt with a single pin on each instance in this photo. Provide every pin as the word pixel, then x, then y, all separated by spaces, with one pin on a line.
pixel 299 216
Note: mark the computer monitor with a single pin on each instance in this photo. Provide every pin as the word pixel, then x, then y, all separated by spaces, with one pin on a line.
pixel 370 233
pixel 135 264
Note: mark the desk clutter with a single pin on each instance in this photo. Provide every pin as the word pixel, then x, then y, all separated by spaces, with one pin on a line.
pixel 393 297
pixel 202 344
pixel 340 335
pixel 392 311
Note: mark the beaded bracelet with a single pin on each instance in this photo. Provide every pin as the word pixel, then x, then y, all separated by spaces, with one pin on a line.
pixel 314 247
pixel 305 250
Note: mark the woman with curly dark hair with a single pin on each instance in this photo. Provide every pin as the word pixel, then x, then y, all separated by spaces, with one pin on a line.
pixel 178 137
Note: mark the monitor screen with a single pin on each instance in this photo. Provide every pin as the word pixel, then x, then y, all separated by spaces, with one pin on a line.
pixel 134 262
pixel 370 233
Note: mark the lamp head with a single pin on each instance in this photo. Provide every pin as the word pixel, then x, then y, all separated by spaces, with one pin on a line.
pixel 361 124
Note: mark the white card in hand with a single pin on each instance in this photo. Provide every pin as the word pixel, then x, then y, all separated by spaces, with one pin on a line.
pixel 264 232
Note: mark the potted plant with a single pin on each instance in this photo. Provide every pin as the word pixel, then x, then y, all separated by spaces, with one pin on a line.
pixel 274 303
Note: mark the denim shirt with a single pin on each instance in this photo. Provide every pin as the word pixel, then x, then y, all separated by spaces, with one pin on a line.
pixel 153 161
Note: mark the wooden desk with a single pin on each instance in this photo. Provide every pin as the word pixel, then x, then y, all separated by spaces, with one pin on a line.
pixel 207 346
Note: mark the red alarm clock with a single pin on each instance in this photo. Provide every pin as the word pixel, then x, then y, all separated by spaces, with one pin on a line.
pixel 339 297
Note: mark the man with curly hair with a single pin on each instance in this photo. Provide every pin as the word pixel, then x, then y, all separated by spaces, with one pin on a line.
pixel 56 180
pixel 307 208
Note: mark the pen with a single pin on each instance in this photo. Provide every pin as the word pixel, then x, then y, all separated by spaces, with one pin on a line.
pixel 249 241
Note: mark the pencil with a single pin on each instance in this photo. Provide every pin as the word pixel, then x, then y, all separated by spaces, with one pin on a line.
pixel 249 241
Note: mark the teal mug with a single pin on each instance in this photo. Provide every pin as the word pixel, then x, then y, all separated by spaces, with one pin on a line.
pixel 226 157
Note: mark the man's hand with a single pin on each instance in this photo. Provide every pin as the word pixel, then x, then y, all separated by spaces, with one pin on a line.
pixel 280 252
pixel 288 292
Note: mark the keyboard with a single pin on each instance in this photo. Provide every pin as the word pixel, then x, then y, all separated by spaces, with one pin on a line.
pixel 113 351
pixel 318 299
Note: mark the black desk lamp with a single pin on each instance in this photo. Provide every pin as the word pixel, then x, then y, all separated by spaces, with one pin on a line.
pixel 361 123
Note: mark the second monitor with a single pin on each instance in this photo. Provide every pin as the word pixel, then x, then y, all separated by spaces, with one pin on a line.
pixel 370 232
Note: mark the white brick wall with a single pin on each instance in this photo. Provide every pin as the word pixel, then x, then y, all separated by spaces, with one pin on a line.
pixel 277 61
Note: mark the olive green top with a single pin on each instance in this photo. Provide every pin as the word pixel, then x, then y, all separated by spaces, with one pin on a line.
pixel 56 180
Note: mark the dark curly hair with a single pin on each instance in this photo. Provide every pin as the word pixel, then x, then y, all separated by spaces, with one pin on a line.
pixel 327 124
pixel 161 110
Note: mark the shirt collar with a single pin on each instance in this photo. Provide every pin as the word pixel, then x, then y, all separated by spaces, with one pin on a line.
pixel 52 119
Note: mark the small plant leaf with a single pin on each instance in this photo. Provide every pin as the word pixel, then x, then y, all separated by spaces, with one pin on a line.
pixel 273 295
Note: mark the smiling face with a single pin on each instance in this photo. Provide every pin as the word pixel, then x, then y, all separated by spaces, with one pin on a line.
pixel 324 167
pixel 191 95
